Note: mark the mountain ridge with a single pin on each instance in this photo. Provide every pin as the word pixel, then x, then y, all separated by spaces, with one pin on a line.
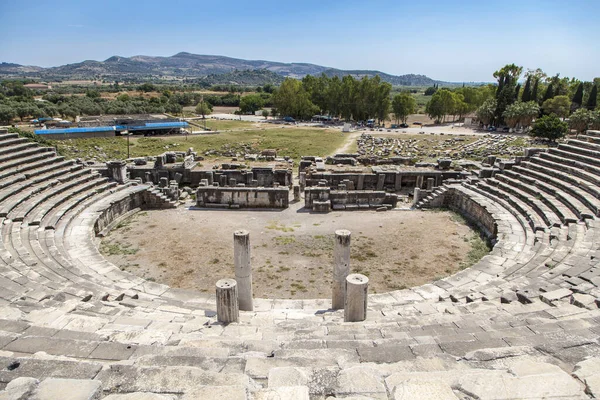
pixel 189 66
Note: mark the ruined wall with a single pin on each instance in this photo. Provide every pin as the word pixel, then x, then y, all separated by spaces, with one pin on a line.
pixel 242 197
pixel 383 180
pixel 472 211
pixel 118 208
pixel 348 199
pixel 258 176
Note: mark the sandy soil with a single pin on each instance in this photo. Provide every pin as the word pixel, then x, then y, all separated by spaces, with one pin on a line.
pixel 292 250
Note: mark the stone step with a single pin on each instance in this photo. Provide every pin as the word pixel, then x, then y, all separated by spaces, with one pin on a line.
pixel 572 196
pixel 16 147
pixel 43 188
pixel 65 203
pixel 56 195
pixel 583 144
pixel 21 154
pixel 12 141
pixel 7 136
pixel 567 152
pixel 530 186
pixel 581 189
pixel 52 174
pixel 30 162
pixel 51 220
pixel 547 215
pixel 535 222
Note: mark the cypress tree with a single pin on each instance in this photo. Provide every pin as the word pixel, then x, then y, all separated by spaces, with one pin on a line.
pixel 526 96
pixel 593 100
pixel 578 96
pixel 517 90
pixel 549 93
pixel 534 91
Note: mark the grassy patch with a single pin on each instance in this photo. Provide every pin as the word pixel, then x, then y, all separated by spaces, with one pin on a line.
pixel 117 249
pixel 292 142
pixel 479 248
pixel 283 240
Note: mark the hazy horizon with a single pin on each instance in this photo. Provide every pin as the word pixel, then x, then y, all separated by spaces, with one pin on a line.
pixel 462 42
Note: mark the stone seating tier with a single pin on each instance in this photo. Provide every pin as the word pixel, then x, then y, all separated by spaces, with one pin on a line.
pixel 523 321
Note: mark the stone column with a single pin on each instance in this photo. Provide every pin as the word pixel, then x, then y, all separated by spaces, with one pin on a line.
pixel 227 301
pixel 302 180
pixel 341 267
pixel 361 182
pixel 416 196
pixel 355 306
pixel 419 182
pixel 243 269
pixel 117 170
pixel 380 181
pixel 296 193
pixel 430 184
pixel 398 182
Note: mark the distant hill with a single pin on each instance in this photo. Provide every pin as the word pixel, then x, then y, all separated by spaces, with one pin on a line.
pixel 186 65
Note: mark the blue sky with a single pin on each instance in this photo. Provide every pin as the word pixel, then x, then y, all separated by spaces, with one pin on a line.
pixel 446 40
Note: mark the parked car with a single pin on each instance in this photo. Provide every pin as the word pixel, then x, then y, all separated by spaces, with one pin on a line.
pixel 289 119
pixel 403 125
pixel 506 129
pixel 492 129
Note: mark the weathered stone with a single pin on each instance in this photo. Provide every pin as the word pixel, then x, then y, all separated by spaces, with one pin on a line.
pixel 227 301
pixel 341 267
pixel 422 389
pixel 139 396
pixel 588 372
pixel 550 297
pixel 355 304
pixel 67 389
pixel 243 269
pixel 283 393
pixel 19 389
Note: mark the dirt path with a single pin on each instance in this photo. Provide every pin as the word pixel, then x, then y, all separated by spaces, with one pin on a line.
pixel 350 139
pixel 292 250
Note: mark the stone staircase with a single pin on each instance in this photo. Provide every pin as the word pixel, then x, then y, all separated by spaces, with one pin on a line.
pixel 521 323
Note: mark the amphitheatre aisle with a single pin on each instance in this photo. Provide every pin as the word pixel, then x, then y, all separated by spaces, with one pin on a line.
pixel 521 323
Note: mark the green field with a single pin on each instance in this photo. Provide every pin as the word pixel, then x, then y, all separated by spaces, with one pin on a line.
pixel 292 142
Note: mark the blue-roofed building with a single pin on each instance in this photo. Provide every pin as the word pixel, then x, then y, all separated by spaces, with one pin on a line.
pixel 110 127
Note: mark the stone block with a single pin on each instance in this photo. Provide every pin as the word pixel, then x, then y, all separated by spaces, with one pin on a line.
pixel 555 295
pixel 423 389
pixel 68 389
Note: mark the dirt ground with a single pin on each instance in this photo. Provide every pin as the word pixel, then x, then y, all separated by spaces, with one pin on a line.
pixel 292 250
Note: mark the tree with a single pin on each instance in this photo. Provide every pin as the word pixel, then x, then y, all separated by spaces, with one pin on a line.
pixel 526 96
pixel 292 100
pixel 529 111
pixel 580 120
pixel 7 113
pixel 442 103
pixel 403 105
pixel 595 119
pixel 251 103
pixel 486 112
pixel 204 108
pixel 147 87
pixel 549 127
pixel 593 99
pixel 559 105
pixel 265 113
pixel 577 99
pixel 512 114
pixel 534 91
pixel 507 77
pixel 548 94
pixel 430 91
